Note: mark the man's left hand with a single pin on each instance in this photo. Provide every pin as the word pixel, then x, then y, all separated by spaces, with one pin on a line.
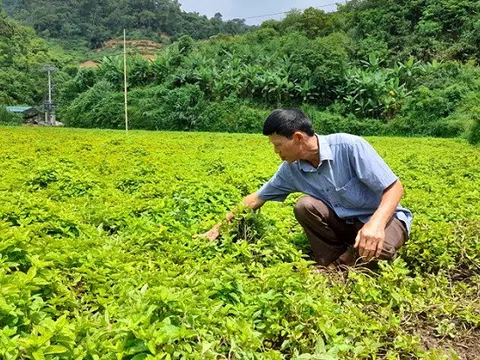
pixel 369 241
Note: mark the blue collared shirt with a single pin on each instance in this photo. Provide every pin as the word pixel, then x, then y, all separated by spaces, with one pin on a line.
pixel 350 178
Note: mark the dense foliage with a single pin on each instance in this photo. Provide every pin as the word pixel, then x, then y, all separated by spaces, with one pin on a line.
pixel 225 83
pixel 426 29
pixel 22 55
pixel 8 118
pixel 98 21
pixel 396 30
pixel 371 68
pixel 97 259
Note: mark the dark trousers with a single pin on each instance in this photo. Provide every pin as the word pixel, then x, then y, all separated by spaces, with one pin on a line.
pixel 330 236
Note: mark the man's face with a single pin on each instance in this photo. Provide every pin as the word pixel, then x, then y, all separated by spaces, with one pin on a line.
pixel 286 148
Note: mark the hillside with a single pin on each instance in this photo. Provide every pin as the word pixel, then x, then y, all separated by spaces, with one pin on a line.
pixel 372 67
pixel 97 22
pixel 22 56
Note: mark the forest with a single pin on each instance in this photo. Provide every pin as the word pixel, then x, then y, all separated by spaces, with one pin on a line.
pixel 372 67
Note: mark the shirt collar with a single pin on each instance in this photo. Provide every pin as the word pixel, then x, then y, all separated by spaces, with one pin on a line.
pixel 324 154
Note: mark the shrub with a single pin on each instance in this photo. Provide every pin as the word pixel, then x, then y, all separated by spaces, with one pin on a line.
pixel 185 44
pixel 83 80
pixel 99 106
pixel 145 111
pixel 331 121
pixel 474 134
pixel 427 106
pixel 452 126
pixel 159 108
pixel 8 118
pixel 232 115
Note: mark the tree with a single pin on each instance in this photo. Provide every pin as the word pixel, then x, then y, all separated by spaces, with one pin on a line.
pixel 96 21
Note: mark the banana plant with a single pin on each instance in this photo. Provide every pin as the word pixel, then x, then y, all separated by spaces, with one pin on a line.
pixel 408 71
pixel 111 70
pixel 166 63
pixel 248 75
pixel 305 91
pixel 140 71
pixel 373 62
pixel 376 94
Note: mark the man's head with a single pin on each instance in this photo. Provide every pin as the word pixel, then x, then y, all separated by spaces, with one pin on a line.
pixel 289 130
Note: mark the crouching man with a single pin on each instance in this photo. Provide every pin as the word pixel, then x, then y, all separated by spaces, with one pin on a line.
pixel 351 203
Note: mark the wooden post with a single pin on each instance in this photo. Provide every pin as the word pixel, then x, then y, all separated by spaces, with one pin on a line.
pixel 125 79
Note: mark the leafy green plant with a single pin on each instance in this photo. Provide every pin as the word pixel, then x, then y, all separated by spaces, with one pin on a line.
pixel 8 118
pixel 97 258
pixel 374 92
pixel 474 134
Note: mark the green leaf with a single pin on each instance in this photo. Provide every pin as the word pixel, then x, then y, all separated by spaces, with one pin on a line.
pixel 38 355
pixel 55 349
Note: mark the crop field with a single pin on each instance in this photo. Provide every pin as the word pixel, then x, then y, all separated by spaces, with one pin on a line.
pixel 97 259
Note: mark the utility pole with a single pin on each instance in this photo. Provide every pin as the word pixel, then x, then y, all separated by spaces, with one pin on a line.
pixel 49 106
pixel 125 79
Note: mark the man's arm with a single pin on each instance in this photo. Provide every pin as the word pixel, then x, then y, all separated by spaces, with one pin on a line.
pixel 252 201
pixel 371 236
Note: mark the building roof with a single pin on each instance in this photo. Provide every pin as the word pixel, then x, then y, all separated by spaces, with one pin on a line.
pixel 26 110
pixel 19 109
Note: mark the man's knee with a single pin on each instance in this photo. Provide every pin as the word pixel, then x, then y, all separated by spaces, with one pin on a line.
pixel 388 252
pixel 302 208
pixel 396 235
pixel 308 206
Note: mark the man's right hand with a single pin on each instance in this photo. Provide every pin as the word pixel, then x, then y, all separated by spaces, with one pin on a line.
pixel 252 201
pixel 211 235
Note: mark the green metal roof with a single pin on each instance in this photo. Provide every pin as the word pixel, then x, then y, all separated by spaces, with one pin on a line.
pixel 20 109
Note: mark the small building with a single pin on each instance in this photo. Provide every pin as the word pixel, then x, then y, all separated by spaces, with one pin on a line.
pixel 29 113
pixel 32 115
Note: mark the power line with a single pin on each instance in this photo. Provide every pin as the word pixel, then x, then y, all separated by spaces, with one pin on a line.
pixel 286 12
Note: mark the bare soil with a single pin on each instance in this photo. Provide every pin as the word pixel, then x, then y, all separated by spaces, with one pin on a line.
pixel 141 45
pixel 465 344
pixel 88 64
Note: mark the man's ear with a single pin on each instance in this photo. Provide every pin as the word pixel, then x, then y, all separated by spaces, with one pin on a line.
pixel 298 136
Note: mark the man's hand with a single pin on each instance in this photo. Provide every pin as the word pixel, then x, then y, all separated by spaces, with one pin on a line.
pixel 369 241
pixel 371 236
pixel 252 201
pixel 211 234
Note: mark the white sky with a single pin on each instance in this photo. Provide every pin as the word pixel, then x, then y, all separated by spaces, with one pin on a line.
pixel 242 9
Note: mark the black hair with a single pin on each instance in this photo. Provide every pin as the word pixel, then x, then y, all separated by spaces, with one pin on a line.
pixel 285 122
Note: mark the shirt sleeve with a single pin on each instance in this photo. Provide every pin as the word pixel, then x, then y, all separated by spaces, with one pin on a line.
pixel 370 168
pixel 278 187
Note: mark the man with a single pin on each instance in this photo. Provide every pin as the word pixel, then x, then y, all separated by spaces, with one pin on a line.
pixel 352 196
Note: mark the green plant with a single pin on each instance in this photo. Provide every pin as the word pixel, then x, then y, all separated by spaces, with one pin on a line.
pixel 8 118
pixel 97 257
pixel 474 134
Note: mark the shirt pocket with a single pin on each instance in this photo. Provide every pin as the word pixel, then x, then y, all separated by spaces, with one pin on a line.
pixel 352 195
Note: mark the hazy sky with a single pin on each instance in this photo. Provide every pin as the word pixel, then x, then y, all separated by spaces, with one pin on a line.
pixel 242 9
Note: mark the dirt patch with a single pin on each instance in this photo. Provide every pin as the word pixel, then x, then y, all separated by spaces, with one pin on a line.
pixel 89 64
pixel 465 344
pixel 140 45
pixel 148 57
